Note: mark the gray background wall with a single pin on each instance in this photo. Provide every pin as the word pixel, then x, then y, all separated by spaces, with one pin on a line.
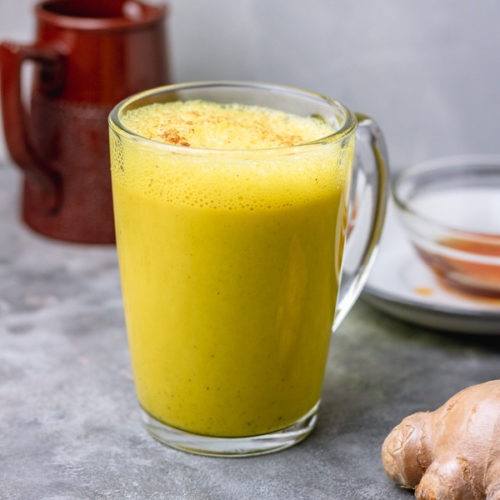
pixel 428 70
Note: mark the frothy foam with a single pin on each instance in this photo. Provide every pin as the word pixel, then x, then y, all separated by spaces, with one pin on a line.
pixel 240 180
pixel 210 125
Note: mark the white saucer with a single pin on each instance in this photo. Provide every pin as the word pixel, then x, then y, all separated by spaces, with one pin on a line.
pixel 399 277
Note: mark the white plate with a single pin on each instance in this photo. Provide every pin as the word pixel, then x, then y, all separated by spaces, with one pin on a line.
pixel 399 277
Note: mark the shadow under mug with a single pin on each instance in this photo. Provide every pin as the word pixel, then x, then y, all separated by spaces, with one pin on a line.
pixel 230 267
pixel 88 55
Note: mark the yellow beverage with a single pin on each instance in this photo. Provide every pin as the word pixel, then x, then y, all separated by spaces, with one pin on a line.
pixel 230 260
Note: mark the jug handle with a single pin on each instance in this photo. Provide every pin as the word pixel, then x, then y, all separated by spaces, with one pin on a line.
pixel 15 117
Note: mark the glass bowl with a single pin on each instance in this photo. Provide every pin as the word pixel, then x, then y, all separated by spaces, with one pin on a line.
pixel 450 208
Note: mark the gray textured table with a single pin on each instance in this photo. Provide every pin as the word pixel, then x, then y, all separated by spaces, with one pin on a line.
pixel 69 427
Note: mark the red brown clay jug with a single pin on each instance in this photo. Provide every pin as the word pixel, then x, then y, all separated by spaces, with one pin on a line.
pixel 88 54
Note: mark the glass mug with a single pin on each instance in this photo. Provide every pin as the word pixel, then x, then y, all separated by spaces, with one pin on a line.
pixel 230 263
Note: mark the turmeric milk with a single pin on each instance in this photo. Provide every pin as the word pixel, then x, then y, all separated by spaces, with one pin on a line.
pixel 230 227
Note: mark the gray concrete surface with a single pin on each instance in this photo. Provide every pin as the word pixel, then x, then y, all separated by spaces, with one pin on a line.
pixel 69 427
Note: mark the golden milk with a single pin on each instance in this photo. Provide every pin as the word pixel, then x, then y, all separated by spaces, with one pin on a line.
pixel 230 260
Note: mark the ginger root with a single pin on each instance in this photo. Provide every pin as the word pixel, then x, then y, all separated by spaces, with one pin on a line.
pixel 453 452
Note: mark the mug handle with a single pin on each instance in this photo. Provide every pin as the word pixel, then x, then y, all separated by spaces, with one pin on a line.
pixel 376 178
pixel 15 117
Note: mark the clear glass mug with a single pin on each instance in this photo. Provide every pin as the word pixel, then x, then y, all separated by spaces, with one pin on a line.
pixel 230 264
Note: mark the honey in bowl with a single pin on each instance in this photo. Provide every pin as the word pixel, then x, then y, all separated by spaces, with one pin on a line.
pixel 449 208
pixel 474 276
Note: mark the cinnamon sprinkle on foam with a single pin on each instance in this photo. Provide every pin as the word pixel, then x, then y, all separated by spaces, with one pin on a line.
pixel 210 125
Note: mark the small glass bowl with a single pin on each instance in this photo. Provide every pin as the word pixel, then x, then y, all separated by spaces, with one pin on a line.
pixel 450 208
